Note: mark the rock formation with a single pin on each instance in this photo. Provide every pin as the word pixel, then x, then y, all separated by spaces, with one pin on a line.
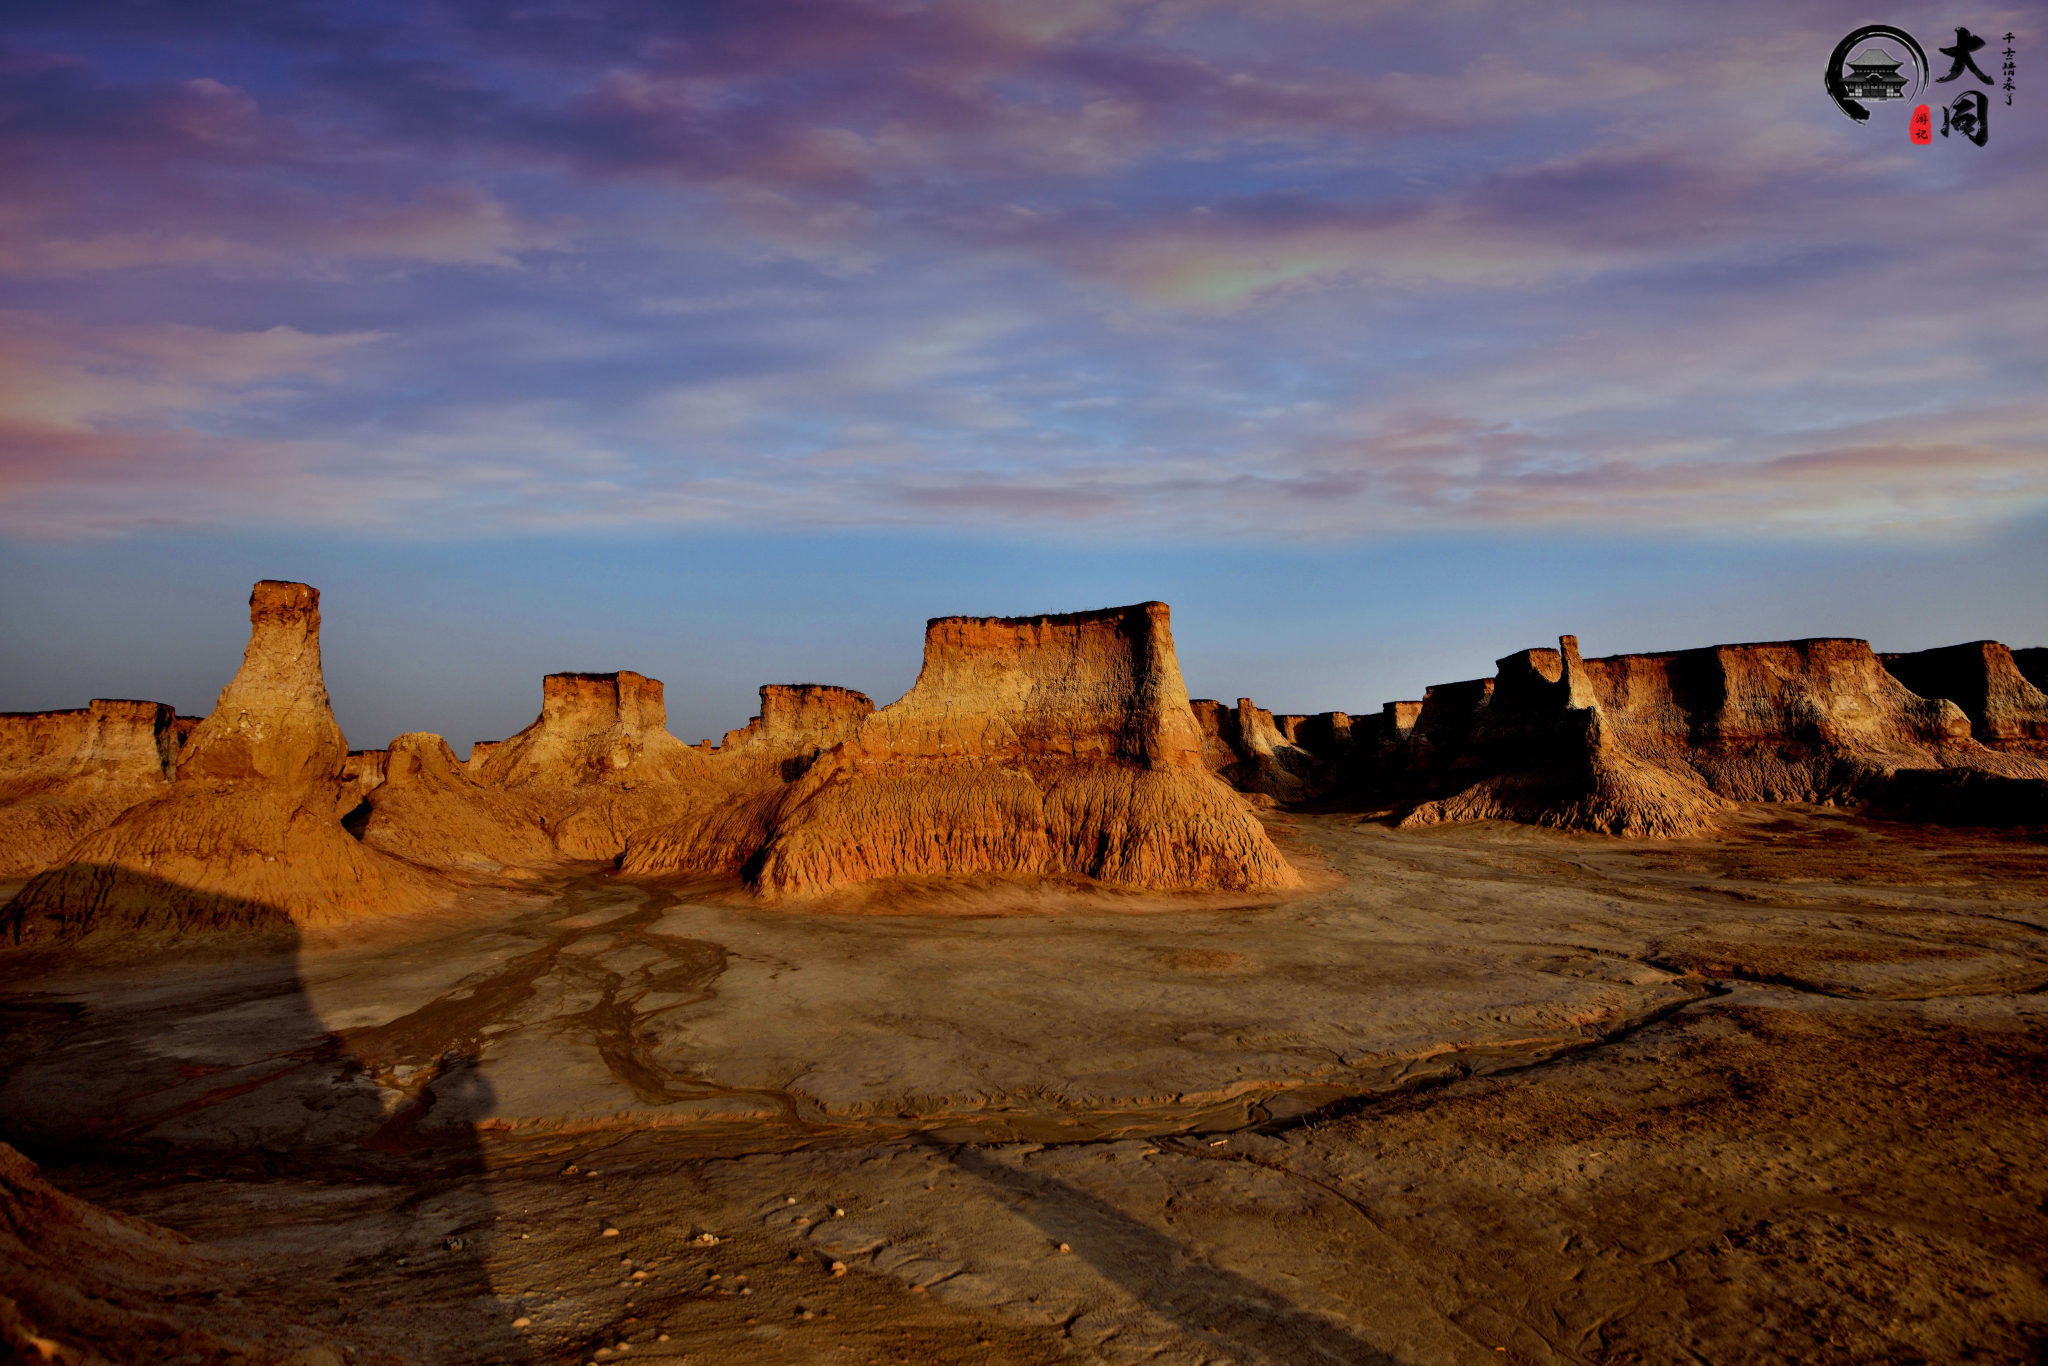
pixel 247 835
pixel 65 774
pixel 362 772
pixel 1246 747
pixel 798 721
pixel 1654 744
pixel 1033 745
pixel 598 762
pixel 2006 711
pixel 429 810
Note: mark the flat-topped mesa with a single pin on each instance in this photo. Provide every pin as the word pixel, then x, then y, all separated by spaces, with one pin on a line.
pixel 247 835
pixel 1080 685
pixel 593 729
pixel 431 811
pixel 599 760
pixel 1653 744
pixel 1034 745
pixel 798 719
pixel 65 774
pixel 2007 711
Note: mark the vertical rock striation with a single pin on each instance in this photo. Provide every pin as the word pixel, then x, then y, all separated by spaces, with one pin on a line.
pixel 1033 745
pixel 65 774
pixel 2007 711
pixel 598 761
pixel 1655 744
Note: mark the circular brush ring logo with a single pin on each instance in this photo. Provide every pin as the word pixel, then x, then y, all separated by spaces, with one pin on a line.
pixel 1876 82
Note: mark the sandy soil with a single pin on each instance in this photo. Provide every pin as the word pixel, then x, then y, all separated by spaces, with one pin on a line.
pixel 1489 1093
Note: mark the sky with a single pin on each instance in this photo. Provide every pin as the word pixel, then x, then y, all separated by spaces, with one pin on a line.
pixel 730 342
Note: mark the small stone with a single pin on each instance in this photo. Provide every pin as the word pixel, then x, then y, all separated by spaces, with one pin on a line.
pixel 639 1275
pixel 593 1173
pixel 662 1338
pixel 746 1290
pixel 839 1268
pixel 571 1169
pixel 1065 1248
pixel 707 1240
pixel 917 1290
pixel 611 1233
pixel 522 1323
pixel 838 1214
pixel 809 1315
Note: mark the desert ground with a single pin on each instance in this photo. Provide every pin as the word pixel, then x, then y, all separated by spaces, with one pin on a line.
pixel 1477 1092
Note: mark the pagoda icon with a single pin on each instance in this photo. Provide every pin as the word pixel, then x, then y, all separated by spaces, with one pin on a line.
pixel 1874 75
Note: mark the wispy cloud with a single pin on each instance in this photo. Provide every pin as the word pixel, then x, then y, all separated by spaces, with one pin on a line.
pixel 1271 271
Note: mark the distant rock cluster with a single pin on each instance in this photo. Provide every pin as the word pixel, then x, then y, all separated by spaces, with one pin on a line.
pixel 1655 745
pixel 1034 746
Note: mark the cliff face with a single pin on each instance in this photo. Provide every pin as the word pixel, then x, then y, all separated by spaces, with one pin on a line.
pixel 65 774
pixel 1655 744
pixel 598 760
pixel 798 721
pixel 247 834
pixel 1249 749
pixel 2007 711
pixel 1057 744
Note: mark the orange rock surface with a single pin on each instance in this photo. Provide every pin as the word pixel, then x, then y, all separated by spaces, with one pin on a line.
pixel 2007 711
pixel 429 810
pixel 65 774
pixel 1054 744
pixel 1653 744
pixel 247 835
pixel 598 761
pixel 1246 747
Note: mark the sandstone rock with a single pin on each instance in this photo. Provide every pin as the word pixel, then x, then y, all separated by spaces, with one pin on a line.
pixel 247 835
pixel 429 810
pixel 599 761
pixel 1247 748
pixel 1057 744
pixel 2006 711
pixel 65 774
pixel 798 721
pixel 1653 744
pixel 362 772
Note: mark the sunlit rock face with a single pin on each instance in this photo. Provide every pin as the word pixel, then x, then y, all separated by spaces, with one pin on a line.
pixel 247 834
pixel 2007 710
pixel 598 761
pixel 431 811
pixel 1033 745
pixel 65 774
pixel 1657 744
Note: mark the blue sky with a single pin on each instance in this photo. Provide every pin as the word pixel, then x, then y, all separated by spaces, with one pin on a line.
pixel 730 342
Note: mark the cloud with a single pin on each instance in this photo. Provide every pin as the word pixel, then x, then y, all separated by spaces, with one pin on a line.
pixel 1171 269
